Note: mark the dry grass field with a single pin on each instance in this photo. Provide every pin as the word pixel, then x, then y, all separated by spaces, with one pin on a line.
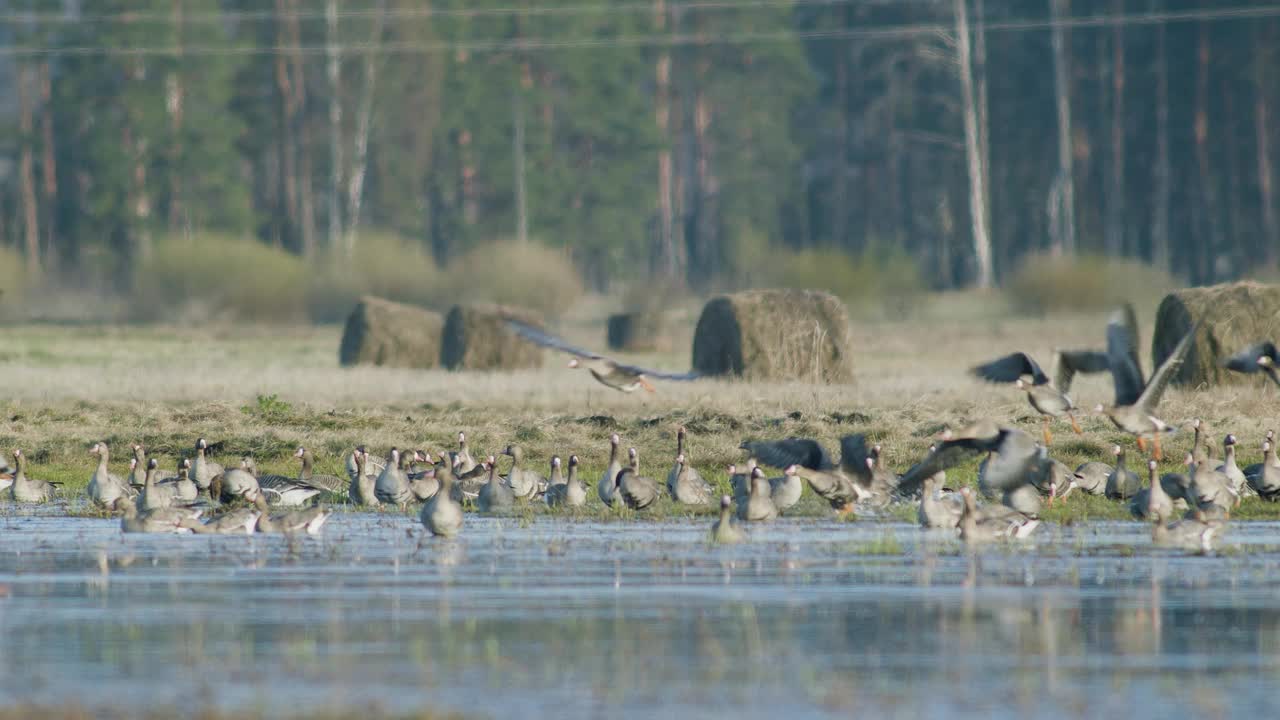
pixel 266 390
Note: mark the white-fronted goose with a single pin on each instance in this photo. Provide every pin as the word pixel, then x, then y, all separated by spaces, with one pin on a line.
pixel 939 510
pixel 637 491
pixel 785 491
pixel 373 466
pixel 1050 476
pixel 1091 477
pixel 155 495
pixel 496 495
pixel 688 487
pixel 281 490
pixel 1211 489
pixel 1239 483
pixel 236 483
pixel 362 482
pixel 1201 449
pixel 307 476
pixel 308 521
pixel 608 372
pixel 740 480
pixel 1136 399
pixel 1151 503
pixel 1265 478
pixel 392 486
pixel 105 488
pixel 976 527
pixel 1259 357
pixel 1122 483
pixel 724 531
pixel 185 489
pixel 841 485
pixel 1013 460
pixel 607 488
pixel 442 515
pixel 524 483
pixel 240 521
pixel 203 471
pixel 570 492
pixel 25 489
pixel 423 484
pixel 1049 398
pixel 759 506
pixel 1196 533
pixel 163 520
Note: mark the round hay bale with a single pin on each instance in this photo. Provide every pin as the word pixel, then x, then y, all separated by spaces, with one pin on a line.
pixel 638 332
pixel 476 337
pixel 381 332
pixel 1234 316
pixel 775 335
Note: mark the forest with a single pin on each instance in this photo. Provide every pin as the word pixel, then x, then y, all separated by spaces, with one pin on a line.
pixel 694 143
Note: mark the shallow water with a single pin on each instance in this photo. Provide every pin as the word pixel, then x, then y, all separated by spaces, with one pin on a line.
pixel 557 618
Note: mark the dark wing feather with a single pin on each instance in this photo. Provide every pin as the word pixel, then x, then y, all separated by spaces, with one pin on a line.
pixel 1010 368
pixel 947 454
pixel 853 456
pixel 792 451
pixel 1246 361
pixel 659 374
pixel 1068 363
pixel 1164 374
pixel 1122 357
pixel 534 335
pixel 1013 461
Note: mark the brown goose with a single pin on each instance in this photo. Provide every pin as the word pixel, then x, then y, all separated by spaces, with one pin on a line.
pixel 724 531
pixel 236 483
pixel 524 483
pixel 240 521
pixel 1151 503
pixel 105 487
pixel 392 486
pixel 939 509
pixel 163 520
pixel 1260 357
pixel 496 495
pixel 1201 449
pixel 694 485
pixel 154 494
pixel 608 372
pixel 1264 477
pixel 463 462
pixel 308 521
pixel 282 490
pixel 759 506
pixel 637 491
pixel 852 480
pixel 976 527
pixel 1196 533
pixel 1122 483
pixel 608 486
pixel 1210 490
pixel 307 476
pixel 570 492
pixel 372 468
pixel 1239 483
pixel 362 483
pixel 1049 398
pixel 25 489
pixel 203 471
pixel 1012 463
pixel 442 515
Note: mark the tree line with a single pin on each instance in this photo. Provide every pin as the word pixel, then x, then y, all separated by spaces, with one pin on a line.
pixel 648 138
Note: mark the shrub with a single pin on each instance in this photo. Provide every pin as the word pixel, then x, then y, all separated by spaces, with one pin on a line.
pixel 524 275
pixel 880 277
pixel 212 276
pixel 384 265
pixel 1083 283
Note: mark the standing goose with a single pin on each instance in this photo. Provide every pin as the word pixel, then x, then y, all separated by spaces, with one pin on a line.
pixel 785 491
pixel 1049 398
pixel 1265 478
pixel 240 521
pixel 938 510
pixel 373 467
pixel 423 485
pixel 1239 483
pixel 185 489
pixel 1210 490
pixel 236 483
pixel 496 495
pixel 759 506
pixel 626 378
pixel 691 475
pixel 636 491
pixel 392 486
pixel 172 520
pixel 571 492
pixel 1136 399
pixel 362 483
pixel 724 531
pixel 1151 503
pixel 25 489
pixel 1201 449
pixel 105 488
pixel 1122 483
pixel 607 489
pixel 740 480
pixel 1254 469
pixel 1259 357
pixel 442 515
pixel 282 490
pixel 155 495
pixel 464 464
pixel 203 471
pixel 327 483
pixel 308 521
pixel 840 485
pixel 524 483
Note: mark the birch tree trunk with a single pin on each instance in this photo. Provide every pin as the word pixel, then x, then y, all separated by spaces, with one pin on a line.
pixel 333 70
pixel 984 134
pixel 364 114
pixel 26 172
pixel 174 100
pixel 1064 239
pixel 973 154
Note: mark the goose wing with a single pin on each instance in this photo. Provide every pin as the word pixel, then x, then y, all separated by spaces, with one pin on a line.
pixel 1069 363
pixel 545 339
pixel 1164 374
pixel 1122 356
pixel 1010 368
pixel 792 451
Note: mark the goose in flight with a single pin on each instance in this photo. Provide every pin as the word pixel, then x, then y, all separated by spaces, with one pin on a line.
pixel 1048 397
pixel 1259 357
pixel 626 378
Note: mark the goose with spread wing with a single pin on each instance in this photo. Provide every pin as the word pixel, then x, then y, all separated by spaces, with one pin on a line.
pixel 1048 397
pixel 1260 357
pixel 626 378
pixel 1014 456
pixel 840 484
pixel 1136 399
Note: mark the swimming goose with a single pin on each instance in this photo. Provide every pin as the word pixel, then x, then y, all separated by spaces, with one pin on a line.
pixel 978 527
pixel 939 509
pixel 524 483
pixel 1049 398
pixel 307 476
pixel 1151 503
pixel 759 506
pixel 25 489
pixel 607 488
pixel 1196 533
pixel 162 520
pixel 608 372
pixel 691 475
pixel 1122 483
pixel 840 485
pixel 104 486
pixel 236 483
pixel 203 471
pixel 442 515
pixel 496 495
pixel 281 490
pixel 570 492
pixel 309 520
pixel 1265 476
pixel 155 495
pixel 1259 357
pixel 1239 483
pixel 1011 465
pixel 637 491
pixel 240 521
pixel 1136 400
pixel 392 486
pixel 724 531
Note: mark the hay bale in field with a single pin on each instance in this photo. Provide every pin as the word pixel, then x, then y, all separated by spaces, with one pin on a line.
pixel 643 331
pixel 1234 316
pixel 381 332
pixel 476 337
pixel 775 335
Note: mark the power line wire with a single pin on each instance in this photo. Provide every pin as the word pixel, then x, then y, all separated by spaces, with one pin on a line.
pixel 662 40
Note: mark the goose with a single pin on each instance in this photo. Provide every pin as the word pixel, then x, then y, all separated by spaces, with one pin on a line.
pixel 463 462
pixel 637 492
pixel 1049 398
pixel 25 489
pixel 282 490
pixel 724 531
pixel 442 515
pixel 328 483
pixel 1048 474
pixel 203 471
pixel 362 483
pixel 496 495
pixel 608 372
pixel 570 492
pixel 1265 478
pixel 688 487
pixel 423 485
pixel 171 520
pixel 236 483
pixel 1122 483
pixel 392 485
pixel 759 506
pixel 1023 499
pixel 939 509
pixel 155 495
pixel 1151 503
pixel 1259 357
pixel 185 489
pixel 1136 399
pixel 976 527
pixel 105 488
pixel 740 480
pixel 240 521
pixel 1201 449
pixel 607 488
pixel 785 491
pixel 690 474
pixel 1210 489
pixel 308 521
pixel 373 468
pixel 1014 456
pixel 1091 477
pixel 840 485
pixel 524 483
pixel 1196 533
pixel 1239 483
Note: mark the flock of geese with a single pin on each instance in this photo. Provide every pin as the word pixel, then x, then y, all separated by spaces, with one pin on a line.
pixel 1016 478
